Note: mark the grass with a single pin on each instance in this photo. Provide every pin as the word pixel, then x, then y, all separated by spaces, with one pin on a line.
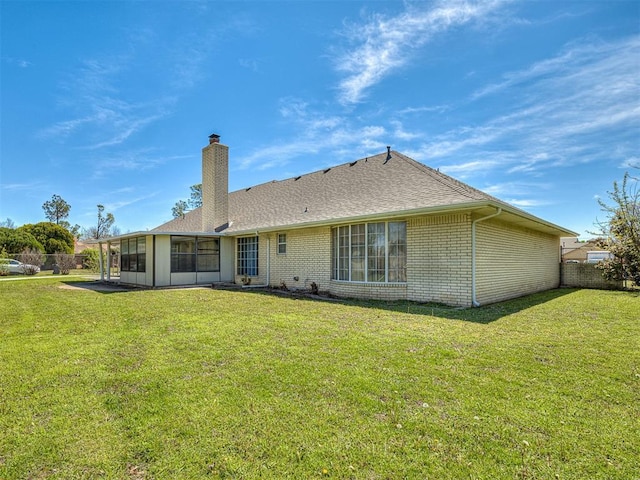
pixel 202 383
pixel 48 273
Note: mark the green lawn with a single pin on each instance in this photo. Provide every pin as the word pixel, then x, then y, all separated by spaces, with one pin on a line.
pixel 202 383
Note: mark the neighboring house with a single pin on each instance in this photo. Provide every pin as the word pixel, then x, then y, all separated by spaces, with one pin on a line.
pixel 575 251
pixel 383 227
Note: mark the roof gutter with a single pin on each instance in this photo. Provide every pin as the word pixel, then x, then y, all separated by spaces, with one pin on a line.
pixel 474 300
pixel 459 208
pixel 368 217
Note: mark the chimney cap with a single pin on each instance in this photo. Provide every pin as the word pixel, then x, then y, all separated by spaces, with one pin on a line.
pixel 214 138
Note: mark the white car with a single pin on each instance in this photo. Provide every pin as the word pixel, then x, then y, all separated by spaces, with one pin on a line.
pixel 15 266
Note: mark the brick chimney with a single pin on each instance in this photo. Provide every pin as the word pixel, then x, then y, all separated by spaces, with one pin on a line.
pixel 215 185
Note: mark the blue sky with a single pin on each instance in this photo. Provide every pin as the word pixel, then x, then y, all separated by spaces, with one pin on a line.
pixel 535 102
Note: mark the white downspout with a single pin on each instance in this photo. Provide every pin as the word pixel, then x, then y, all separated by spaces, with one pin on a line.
pixel 268 267
pixel 474 301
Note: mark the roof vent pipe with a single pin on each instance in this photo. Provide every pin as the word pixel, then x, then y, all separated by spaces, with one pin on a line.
pixel 388 154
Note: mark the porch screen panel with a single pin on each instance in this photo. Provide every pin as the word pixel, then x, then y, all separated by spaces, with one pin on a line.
pixel 133 254
pixel 141 247
pixel 183 254
pixel 208 254
pixel 133 257
pixel 124 255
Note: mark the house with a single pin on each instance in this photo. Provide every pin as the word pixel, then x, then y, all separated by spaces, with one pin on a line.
pixel 382 227
pixel 574 251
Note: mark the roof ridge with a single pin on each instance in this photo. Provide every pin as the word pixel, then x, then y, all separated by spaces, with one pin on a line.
pixel 460 187
pixel 315 172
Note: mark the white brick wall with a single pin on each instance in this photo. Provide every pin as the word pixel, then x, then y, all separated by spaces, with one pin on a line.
pixel 439 259
pixel 513 261
pixel 308 258
pixel 377 291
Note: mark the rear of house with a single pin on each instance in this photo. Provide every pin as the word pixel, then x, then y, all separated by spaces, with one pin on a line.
pixel 381 227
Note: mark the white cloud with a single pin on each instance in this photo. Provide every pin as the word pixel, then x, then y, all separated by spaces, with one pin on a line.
pixel 29 186
pixel 385 44
pixel 580 106
pixel 338 136
pixel 527 202
pixel 464 169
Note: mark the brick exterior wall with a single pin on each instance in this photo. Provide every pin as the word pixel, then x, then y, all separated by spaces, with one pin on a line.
pixel 215 186
pixel 308 258
pixel 586 275
pixel 439 259
pixel 513 261
pixel 510 262
pixel 375 291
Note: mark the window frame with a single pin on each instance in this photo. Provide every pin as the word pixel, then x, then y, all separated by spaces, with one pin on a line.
pixel 282 244
pixel 133 254
pixel 247 255
pixel 385 252
pixel 189 261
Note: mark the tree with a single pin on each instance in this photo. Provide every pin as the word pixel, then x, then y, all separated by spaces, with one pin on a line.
pixel 103 225
pixel 622 231
pixel 54 238
pixel 56 209
pixel 17 240
pixel 73 230
pixel 179 209
pixel 8 223
pixel 195 201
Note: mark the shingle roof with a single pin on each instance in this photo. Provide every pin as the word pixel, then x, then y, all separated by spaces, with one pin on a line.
pixel 190 222
pixel 369 186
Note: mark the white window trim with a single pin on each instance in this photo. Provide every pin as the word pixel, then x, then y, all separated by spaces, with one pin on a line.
pixel 336 253
pixel 278 243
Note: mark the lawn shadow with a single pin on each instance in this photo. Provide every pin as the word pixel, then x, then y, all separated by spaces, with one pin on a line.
pixel 98 286
pixel 484 314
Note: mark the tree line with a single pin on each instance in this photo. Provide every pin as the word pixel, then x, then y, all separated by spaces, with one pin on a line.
pixel 56 235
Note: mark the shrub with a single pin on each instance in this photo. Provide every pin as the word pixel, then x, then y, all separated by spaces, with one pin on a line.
pixel 91 259
pixel 4 267
pixel 32 260
pixel 4 262
pixel 65 262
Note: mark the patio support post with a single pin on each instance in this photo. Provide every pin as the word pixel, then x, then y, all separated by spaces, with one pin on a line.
pixel 101 260
pixel 108 261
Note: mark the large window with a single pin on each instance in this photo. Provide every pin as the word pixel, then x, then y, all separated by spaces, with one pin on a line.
pixel 133 257
pixel 370 252
pixel 248 256
pixel 195 254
